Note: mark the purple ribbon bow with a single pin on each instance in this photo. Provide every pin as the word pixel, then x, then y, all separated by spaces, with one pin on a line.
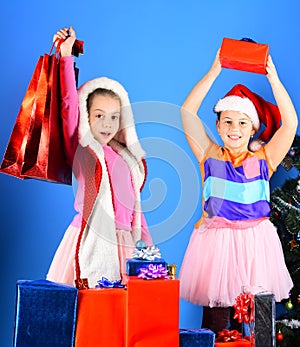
pixel 152 272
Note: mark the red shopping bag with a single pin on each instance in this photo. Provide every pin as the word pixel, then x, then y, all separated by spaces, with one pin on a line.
pixel 44 156
pixel 14 156
pixel 36 145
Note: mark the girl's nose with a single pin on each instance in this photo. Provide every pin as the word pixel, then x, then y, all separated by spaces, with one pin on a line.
pixel 234 126
pixel 107 123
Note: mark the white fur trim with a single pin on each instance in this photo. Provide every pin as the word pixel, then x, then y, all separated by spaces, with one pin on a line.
pixel 255 145
pixel 127 133
pixel 236 103
pixel 99 250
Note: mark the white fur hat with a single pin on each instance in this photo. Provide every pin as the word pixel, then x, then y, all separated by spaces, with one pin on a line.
pixel 127 132
pixel 237 103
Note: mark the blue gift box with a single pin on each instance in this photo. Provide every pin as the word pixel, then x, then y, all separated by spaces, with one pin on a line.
pixel 45 314
pixel 196 338
pixel 134 265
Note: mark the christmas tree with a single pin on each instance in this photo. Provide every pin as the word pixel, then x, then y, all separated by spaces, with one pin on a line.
pixel 285 214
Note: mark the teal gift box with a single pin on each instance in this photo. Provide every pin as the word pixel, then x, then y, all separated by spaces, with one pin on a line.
pixel 45 314
pixel 196 338
pixel 134 265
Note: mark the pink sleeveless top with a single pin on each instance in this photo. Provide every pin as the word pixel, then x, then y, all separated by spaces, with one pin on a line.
pixel 123 193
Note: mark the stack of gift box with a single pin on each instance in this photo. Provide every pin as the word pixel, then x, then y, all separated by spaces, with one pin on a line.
pixel 142 312
pixel 256 313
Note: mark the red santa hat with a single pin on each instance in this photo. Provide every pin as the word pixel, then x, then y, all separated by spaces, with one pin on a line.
pixel 242 99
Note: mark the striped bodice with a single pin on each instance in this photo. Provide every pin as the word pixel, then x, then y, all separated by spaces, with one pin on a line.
pixel 235 188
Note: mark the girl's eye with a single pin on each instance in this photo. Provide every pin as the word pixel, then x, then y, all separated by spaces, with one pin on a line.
pixel 115 117
pixel 228 122
pixel 99 116
pixel 244 123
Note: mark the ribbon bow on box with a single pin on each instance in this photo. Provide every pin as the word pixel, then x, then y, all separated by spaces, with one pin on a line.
pixel 152 272
pixel 106 283
pixel 244 308
pixel 228 335
pixel 149 253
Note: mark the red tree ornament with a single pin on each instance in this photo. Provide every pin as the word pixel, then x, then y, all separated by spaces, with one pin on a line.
pixel 279 336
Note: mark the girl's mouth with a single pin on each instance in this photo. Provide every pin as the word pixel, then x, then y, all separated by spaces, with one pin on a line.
pixel 234 137
pixel 105 134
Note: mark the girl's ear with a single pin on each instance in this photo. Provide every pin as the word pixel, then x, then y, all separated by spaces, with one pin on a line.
pixel 218 124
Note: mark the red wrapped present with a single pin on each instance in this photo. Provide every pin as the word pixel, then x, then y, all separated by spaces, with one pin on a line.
pixel 152 312
pixel 238 343
pixel 245 55
pixel 101 317
pixel 231 338
pixel 146 314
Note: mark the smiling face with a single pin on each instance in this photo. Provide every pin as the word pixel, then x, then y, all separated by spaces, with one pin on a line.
pixel 104 117
pixel 235 129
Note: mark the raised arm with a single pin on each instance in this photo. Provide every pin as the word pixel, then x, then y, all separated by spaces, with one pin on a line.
pixel 192 125
pixel 69 96
pixel 282 140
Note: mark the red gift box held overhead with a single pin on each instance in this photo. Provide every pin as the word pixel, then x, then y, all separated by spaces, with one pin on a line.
pixel 244 54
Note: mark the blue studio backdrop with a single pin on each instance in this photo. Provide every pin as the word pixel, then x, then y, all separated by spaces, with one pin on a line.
pixel 158 50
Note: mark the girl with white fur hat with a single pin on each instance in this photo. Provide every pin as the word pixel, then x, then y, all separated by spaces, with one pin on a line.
pixel 108 162
pixel 234 245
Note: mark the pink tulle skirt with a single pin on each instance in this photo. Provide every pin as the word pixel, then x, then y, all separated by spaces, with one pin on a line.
pixel 62 268
pixel 224 257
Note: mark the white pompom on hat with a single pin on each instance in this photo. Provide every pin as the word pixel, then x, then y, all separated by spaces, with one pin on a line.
pixel 242 99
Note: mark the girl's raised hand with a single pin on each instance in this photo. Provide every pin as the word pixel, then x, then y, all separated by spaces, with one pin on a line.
pixel 68 37
pixel 271 71
pixel 216 66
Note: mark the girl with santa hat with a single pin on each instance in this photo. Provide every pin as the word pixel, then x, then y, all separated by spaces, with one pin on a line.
pixel 234 245
pixel 108 163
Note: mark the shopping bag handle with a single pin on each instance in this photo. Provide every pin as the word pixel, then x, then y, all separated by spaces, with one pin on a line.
pixel 60 41
pixel 76 50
